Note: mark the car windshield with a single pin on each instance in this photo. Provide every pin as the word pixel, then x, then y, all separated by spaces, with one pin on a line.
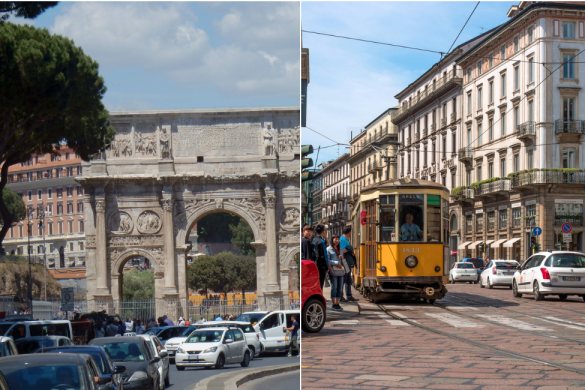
pixel 465 265
pixel 205 336
pixel 251 317
pixel 25 346
pixel 476 262
pixel 568 260
pixel 506 265
pixel 188 331
pixel 45 377
pixel 124 351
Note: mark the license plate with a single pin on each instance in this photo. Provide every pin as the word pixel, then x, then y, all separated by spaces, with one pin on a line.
pixel 466 276
pixel 508 273
pixel 572 278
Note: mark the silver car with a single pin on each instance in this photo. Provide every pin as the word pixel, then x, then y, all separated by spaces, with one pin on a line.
pixel 158 349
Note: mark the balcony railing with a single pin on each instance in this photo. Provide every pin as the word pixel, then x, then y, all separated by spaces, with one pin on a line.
pixel 464 193
pixel 495 186
pixel 545 176
pixel 570 127
pixel 454 76
pixel 503 223
pixel 465 154
pixel 526 129
pixel 572 219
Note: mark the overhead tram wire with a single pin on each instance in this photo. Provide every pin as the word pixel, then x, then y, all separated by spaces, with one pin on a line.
pixel 330 139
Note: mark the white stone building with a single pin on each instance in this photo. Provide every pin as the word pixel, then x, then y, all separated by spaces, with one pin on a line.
pixel 335 195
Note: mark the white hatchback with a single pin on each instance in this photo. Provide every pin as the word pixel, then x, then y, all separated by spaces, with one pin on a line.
pixel 559 273
pixel 213 347
pixel 463 272
pixel 498 273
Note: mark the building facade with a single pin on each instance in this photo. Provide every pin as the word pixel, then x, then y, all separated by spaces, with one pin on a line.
pixel 317 203
pixel 47 182
pixel 335 195
pixel 522 137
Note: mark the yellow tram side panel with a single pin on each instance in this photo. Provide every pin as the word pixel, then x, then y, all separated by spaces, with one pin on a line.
pixel 393 257
pixel 359 276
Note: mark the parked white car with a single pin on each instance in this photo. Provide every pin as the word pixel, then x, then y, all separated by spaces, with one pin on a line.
pixel 158 349
pixel 269 325
pixel 498 273
pixel 250 333
pixel 174 343
pixel 559 273
pixel 463 272
pixel 210 347
pixel 7 347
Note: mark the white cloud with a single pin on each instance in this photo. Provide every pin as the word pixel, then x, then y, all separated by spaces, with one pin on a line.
pixel 254 51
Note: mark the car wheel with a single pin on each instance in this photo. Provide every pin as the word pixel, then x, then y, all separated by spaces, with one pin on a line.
pixel 167 380
pixel 220 362
pixel 489 284
pixel 252 352
pixel 246 361
pixel 563 296
pixel 515 292
pixel 451 280
pixel 180 368
pixel 537 295
pixel 313 316
pixel 481 283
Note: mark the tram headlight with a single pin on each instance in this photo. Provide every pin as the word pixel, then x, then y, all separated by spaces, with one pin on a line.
pixel 411 261
pixel 383 269
pixel 437 269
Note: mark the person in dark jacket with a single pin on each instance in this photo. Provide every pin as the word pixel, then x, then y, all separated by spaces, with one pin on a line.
pixel 306 248
pixel 320 248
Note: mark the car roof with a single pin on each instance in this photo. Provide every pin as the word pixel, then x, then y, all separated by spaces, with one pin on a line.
pixel 225 322
pixel 50 337
pixel 76 347
pixel 119 339
pixel 214 328
pixel 42 359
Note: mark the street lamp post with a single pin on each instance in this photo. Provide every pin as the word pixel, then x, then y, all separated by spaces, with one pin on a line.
pixel 31 214
pixel 41 218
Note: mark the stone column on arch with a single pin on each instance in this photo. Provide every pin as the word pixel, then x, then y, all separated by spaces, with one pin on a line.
pixel 169 244
pixel 271 245
pixel 100 248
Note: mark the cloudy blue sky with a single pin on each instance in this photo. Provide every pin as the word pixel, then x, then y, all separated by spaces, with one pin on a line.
pixel 182 55
pixel 354 82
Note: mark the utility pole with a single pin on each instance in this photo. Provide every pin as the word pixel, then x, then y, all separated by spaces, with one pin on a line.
pixel 31 214
pixel 41 218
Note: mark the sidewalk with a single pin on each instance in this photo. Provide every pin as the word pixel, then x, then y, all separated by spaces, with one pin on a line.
pixel 350 309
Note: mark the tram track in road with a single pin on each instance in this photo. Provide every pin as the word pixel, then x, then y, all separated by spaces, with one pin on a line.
pixel 501 351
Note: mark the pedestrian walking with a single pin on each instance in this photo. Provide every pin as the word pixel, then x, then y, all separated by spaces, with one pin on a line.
pixel 129 324
pixel 336 273
pixel 218 318
pixel 111 328
pixel 122 328
pixel 181 321
pixel 139 328
pixel 293 342
pixel 168 321
pixel 306 247
pixel 347 254
pixel 320 249
pixel 151 323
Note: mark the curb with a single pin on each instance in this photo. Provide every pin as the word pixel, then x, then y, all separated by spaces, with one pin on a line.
pixel 231 381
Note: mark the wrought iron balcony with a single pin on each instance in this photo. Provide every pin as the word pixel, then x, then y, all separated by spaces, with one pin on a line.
pixel 545 176
pixel 568 127
pixel 572 219
pixel 463 195
pixel 465 154
pixel 526 129
pixel 493 188
pixel 443 84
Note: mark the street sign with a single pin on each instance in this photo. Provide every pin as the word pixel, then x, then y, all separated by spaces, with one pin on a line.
pixel 567 237
pixel 67 300
pixel 537 231
pixel 567 227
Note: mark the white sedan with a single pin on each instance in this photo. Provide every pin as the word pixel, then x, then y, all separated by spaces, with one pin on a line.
pixel 559 273
pixel 498 273
pixel 463 272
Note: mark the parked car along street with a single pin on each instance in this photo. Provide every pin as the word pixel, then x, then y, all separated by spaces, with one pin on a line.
pixel 463 272
pixel 498 273
pixel 313 302
pixel 32 344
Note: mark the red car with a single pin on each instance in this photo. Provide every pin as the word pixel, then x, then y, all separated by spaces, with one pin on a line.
pixel 313 302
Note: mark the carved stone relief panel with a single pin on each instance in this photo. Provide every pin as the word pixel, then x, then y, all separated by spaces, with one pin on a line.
pixel 254 208
pixel 145 140
pixel 90 241
pixel 165 141
pixel 180 217
pixel 289 237
pixel 193 205
pixel 290 218
pixel 146 240
pixel 285 252
pixel 122 143
pixel 148 222
pixel 289 140
pixel 120 223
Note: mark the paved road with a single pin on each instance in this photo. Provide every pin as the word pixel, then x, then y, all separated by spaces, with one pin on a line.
pixel 287 381
pixel 474 338
pixel 187 380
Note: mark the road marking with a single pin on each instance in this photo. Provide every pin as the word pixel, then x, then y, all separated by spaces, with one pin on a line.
pixel 566 323
pixel 454 320
pixel 390 378
pixel 345 322
pixel 512 322
pixel 461 308
pixel 397 314
pixel 397 323
pixel 367 305
pixel 393 307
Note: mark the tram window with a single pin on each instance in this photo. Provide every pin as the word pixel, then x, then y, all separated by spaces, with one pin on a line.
pixel 411 217
pixel 387 224
pixel 434 218
pixel 445 222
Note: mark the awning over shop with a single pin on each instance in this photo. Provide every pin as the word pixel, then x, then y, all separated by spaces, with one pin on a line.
pixel 488 242
pixel 472 246
pixel 462 246
pixel 498 243
pixel 511 243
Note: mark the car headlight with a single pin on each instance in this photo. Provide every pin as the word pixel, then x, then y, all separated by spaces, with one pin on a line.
pixel 181 350
pixel 138 376
pixel 210 350
pixel 411 261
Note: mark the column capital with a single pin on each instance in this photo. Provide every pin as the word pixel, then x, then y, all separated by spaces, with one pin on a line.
pixel 270 201
pixel 100 205
pixel 167 204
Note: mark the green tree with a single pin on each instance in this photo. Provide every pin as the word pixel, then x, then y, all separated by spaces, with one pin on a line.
pixel 216 227
pixel 242 236
pixel 24 9
pixel 242 275
pixel 50 94
pixel 15 206
pixel 225 263
pixel 203 274
pixel 138 285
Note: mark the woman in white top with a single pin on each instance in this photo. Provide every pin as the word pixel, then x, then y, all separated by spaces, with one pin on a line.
pixel 181 321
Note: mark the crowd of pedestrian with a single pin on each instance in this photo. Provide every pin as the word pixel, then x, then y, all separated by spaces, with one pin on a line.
pixel 335 261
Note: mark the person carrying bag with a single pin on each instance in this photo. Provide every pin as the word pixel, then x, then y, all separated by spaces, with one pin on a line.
pixel 336 272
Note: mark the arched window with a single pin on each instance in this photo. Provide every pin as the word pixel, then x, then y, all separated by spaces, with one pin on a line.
pixel 454 222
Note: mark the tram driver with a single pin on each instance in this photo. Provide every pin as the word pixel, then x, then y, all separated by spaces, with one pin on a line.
pixel 410 231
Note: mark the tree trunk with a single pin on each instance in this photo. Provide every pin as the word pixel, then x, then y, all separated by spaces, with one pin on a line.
pixel 243 297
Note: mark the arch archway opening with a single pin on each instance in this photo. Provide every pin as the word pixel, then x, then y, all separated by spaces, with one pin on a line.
pixel 136 288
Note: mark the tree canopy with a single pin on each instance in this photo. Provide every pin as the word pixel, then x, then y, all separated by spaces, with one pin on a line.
pixel 242 236
pixel 203 274
pixel 50 95
pixel 138 285
pixel 24 9
pixel 15 206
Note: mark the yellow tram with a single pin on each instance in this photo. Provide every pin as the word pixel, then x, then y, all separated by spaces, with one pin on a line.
pixel 400 235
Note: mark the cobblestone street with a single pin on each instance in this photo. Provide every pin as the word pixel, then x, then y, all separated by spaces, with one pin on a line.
pixel 486 339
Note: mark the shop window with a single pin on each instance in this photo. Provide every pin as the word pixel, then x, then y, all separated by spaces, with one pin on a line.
pixel 566 212
pixel 503 219
pixel 491 220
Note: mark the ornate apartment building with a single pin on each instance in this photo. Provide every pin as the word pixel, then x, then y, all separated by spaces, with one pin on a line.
pixel 379 138
pixel 522 146
pixel 47 182
pixel 335 195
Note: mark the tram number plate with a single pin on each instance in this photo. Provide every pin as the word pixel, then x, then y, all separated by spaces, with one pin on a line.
pixel 572 278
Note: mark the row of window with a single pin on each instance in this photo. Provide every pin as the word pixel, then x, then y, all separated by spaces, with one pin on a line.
pixel 49 193
pixel 46 174
pixel 425 121
pixel 40 249
pixel 36 160
pixel 503 218
pixel 19 231
pixel 424 152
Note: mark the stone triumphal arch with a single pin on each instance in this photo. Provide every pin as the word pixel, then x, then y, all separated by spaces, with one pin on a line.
pixel 165 170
